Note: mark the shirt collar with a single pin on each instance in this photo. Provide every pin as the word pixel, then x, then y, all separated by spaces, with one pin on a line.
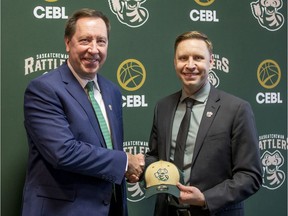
pixel 200 96
pixel 83 82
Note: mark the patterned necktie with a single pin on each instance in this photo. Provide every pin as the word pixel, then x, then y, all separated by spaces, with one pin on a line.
pixel 182 135
pixel 99 114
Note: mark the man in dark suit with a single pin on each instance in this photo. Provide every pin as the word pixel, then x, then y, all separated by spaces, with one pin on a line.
pixel 221 162
pixel 71 169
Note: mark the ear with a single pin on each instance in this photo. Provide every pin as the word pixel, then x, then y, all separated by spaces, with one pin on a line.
pixel 211 61
pixel 67 44
pixel 174 61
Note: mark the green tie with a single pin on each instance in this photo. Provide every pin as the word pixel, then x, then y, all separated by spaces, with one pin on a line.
pixel 99 114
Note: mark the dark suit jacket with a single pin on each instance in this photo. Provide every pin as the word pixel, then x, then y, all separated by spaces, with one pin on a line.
pixel 226 162
pixel 70 170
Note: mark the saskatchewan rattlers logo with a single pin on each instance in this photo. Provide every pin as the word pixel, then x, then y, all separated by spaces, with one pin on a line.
pixel 213 78
pixel 273 175
pixel 131 74
pixel 162 174
pixel 268 74
pixel 273 148
pixel 135 191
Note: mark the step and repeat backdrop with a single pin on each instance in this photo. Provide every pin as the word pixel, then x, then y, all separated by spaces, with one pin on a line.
pixel 250 51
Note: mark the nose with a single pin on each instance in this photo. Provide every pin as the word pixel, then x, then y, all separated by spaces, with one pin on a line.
pixel 190 63
pixel 93 48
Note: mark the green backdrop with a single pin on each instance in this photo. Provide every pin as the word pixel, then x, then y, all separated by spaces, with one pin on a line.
pixel 250 51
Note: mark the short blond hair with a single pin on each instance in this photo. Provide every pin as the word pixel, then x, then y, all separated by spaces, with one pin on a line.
pixel 194 35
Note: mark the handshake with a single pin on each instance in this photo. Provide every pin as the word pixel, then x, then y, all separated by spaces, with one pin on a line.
pixel 136 165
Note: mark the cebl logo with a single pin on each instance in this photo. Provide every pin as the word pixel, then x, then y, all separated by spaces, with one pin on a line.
pixel 269 76
pixel 204 15
pixel 50 12
pixel 131 75
pixel 204 2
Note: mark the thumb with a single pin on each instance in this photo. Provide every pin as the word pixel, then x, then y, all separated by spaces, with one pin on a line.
pixel 179 185
pixel 141 159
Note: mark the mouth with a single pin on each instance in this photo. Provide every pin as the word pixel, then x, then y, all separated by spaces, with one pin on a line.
pixel 91 61
pixel 270 9
pixel 271 169
pixel 132 5
pixel 190 75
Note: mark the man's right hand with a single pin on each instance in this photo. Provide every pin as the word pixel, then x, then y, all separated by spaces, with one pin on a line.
pixel 136 164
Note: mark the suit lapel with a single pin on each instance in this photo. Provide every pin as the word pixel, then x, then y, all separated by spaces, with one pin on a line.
pixel 74 88
pixel 209 114
pixel 171 107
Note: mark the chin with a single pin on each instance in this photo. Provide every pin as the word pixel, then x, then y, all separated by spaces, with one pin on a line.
pixel 91 70
pixel 190 82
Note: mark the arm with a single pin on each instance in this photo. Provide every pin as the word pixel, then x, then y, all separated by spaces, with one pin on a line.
pixel 246 167
pixel 60 131
pixel 237 169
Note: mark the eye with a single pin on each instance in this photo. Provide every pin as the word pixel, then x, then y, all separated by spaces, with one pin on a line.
pixel 182 58
pixel 84 41
pixel 101 41
pixel 198 58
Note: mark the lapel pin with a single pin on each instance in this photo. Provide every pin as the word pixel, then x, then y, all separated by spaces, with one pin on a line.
pixel 110 107
pixel 209 114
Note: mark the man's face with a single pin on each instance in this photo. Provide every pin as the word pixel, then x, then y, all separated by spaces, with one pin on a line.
pixel 87 48
pixel 192 62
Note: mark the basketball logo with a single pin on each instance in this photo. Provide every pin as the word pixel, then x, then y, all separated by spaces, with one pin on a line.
pixel 268 74
pixel 131 74
pixel 204 2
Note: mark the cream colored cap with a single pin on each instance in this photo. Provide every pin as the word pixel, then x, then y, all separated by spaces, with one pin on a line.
pixel 162 177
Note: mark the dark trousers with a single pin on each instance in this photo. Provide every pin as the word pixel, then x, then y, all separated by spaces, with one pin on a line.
pixel 116 204
pixel 174 211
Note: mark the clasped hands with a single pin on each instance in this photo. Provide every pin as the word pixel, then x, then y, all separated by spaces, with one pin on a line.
pixel 136 164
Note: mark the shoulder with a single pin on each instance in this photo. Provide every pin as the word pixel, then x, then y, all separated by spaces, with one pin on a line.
pixel 107 85
pixel 229 102
pixel 170 99
pixel 225 97
pixel 104 81
pixel 50 81
pixel 52 75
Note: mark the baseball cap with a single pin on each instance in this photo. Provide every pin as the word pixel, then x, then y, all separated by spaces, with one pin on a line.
pixel 162 177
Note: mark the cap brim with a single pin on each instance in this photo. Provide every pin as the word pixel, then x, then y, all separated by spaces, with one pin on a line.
pixel 163 188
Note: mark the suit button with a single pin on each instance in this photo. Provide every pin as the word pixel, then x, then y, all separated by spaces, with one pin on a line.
pixel 106 202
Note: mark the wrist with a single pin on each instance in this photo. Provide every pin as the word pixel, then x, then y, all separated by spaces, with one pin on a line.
pixel 204 205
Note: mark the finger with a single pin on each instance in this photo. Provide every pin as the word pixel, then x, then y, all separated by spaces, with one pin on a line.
pixel 133 178
pixel 141 159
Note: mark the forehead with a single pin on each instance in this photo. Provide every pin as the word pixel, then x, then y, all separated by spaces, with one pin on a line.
pixel 91 25
pixel 192 44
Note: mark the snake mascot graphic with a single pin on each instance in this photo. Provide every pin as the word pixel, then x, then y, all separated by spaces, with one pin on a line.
pixel 266 12
pixel 129 12
pixel 273 177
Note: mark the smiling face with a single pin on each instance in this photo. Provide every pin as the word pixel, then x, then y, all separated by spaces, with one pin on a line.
pixel 87 48
pixel 192 62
